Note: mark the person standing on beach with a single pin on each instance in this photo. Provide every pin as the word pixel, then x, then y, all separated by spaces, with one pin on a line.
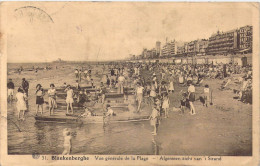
pixel 25 86
pixel 10 90
pixel 171 85
pixel 69 99
pixel 206 96
pixel 121 80
pixel 112 72
pixel 108 82
pixel 80 73
pixel 76 73
pixel 191 96
pixel 39 98
pixel 52 98
pixel 154 119
pixel 139 95
pixel 163 89
pixel 85 74
pixel 102 92
pixel 153 90
pixel 21 103
pixel 165 105
pixel 181 79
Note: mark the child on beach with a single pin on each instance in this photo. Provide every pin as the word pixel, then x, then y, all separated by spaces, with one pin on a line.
pixel 10 90
pixel 21 103
pixel 206 96
pixel 110 112
pixel 183 102
pixel 87 112
pixel 67 142
pixel 77 84
pixel 69 99
pixel 52 98
pixel 154 119
pixel 166 105
pixel 39 98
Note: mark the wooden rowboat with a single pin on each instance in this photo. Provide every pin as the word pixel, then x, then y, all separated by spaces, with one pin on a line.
pixel 91 119
pixel 62 88
pixel 114 95
pixel 80 106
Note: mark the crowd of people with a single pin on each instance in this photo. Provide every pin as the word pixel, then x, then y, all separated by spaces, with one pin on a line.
pixel 152 84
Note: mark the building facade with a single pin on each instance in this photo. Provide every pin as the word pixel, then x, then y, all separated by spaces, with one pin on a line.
pixel 170 48
pixel 239 40
pixel 223 42
pixel 158 48
pixel 245 38
pixel 180 50
pixel 166 50
pixel 202 46
pixel 192 47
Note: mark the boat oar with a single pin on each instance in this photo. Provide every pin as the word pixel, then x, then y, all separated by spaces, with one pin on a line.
pixel 211 102
pixel 13 123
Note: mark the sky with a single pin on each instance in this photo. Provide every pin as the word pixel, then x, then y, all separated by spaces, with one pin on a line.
pixel 94 31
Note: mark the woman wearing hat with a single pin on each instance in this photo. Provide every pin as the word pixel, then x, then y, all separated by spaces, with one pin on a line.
pixel 191 97
pixel 39 98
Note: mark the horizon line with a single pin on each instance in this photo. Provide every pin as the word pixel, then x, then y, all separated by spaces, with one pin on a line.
pixel 55 61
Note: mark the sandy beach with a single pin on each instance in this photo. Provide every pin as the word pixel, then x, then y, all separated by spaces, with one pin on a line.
pixel 224 128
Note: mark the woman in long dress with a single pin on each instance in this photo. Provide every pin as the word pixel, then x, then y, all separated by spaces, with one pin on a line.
pixel 21 103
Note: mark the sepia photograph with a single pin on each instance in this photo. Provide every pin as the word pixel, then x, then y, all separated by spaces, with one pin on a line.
pixel 129 78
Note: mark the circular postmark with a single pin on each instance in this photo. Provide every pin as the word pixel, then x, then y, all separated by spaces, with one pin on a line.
pixel 35 156
pixel 33 13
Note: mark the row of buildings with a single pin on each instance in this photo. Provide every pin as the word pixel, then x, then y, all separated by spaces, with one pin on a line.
pixel 221 43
